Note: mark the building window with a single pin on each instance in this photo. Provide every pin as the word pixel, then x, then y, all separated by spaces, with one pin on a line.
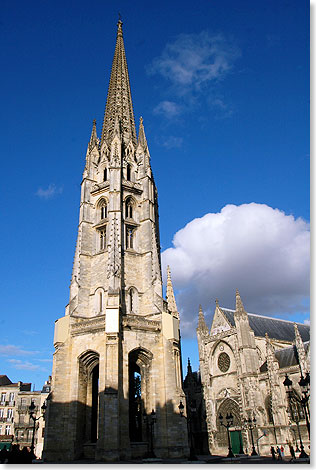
pixel 223 362
pixel 103 210
pixel 3 395
pixel 102 234
pixel 11 397
pixel 130 232
pixel 7 430
pixel 10 414
pixel 128 172
pixel 105 174
pixel 129 209
pixel 1 412
pixel 100 302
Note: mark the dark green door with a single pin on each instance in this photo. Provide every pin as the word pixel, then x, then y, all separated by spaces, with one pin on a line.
pixel 236 441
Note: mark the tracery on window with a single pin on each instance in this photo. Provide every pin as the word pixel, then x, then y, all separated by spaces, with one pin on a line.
pixel 129 235
pixel 103 210
pixel 223 362
pixel 129 209
pixel 102 238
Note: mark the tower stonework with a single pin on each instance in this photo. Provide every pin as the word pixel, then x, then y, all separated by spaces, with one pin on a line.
pixel 117 349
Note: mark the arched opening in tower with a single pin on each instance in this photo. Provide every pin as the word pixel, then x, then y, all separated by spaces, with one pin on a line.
pixel 140 397
pixel 88 397
pixel 135 403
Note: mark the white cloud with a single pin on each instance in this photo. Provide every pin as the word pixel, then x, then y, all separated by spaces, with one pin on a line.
pixel 259 250
pixel 195 59
pixel 12 350
pixel 24 365
pixel 171 142
pixel 168 109
pixel 49 192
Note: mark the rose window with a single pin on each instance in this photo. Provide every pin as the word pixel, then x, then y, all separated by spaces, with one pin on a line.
pixel 223 362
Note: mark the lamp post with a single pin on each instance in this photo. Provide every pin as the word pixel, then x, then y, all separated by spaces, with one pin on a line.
pixel 294 411
pixel 229 423
pixel 250 424
pixel 150 422
pixel 191 409
pixel 33 416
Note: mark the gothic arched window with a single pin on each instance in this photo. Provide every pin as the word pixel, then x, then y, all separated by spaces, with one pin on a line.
pixel 103 210
pixel 129 209
pixel 130 232
pixel 132 300
pixel 102 236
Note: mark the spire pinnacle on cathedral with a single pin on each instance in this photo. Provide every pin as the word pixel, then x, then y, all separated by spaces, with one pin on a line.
pixel 172 306
pixel 119 99
pixel 240 309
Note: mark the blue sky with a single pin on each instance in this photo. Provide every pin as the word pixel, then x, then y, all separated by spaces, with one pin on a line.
pixel 223 87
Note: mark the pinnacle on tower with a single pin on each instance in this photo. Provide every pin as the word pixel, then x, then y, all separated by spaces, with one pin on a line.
pixel 119 100
pixel 240 310
pixel 189 368
pixel 172 306
pixel 141 134
pixel 94 138
pixel 201 323
pixel 269 347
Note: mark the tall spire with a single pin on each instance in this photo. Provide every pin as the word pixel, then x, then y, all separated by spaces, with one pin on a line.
pixel 172 306
pixel 119 99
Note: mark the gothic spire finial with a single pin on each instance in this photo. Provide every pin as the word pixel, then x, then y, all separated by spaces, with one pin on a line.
pixel 172 306
pixel 201 323
pixel 93 138
pixel 141 134
pixel 119 99
pixel 239 305
pixel 189 368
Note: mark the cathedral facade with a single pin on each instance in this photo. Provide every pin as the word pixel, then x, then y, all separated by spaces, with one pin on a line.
pixel 117 381
pixel 244 360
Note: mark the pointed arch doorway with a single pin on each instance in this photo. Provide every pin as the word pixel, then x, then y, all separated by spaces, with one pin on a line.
pixel 229 406
pixel 88 397
pixel 139 365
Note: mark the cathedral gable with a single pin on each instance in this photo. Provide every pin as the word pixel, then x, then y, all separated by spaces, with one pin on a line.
pixel 220 323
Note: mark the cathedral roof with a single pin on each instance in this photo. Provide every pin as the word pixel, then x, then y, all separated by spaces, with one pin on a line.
pixel 276 328
pixel 286 357
pixel 119 100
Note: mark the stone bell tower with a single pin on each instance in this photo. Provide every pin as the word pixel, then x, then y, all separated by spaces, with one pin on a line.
pixel 117 349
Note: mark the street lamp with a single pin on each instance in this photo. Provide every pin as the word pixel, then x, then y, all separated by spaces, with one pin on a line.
pixel 294 411
pixel 229 423
pixel 33 416
pixel 250 424
pixel 150 422
pixel 191 410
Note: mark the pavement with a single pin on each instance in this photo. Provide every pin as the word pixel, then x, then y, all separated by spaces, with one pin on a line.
pixel 202 459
